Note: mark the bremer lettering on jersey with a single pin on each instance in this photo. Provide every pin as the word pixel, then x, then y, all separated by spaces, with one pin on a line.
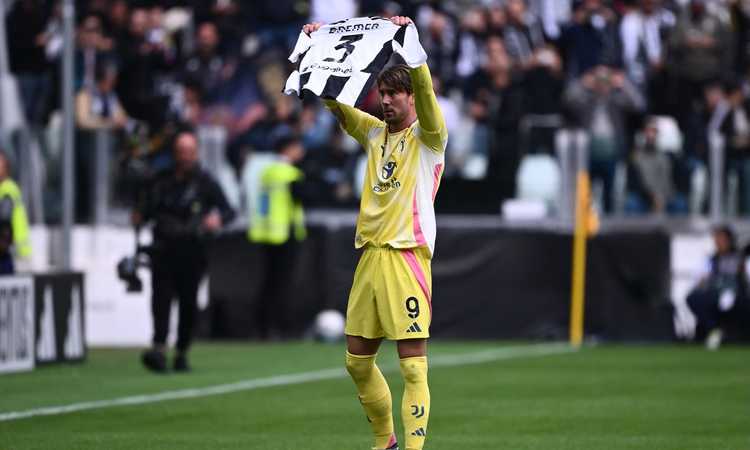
pixel 354 27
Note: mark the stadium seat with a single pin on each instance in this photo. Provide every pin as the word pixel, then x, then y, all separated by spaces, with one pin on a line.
pixel 669 138
pixel 538 178
pixel 475 167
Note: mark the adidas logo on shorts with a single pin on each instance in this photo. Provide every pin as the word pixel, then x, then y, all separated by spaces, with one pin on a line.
pixel 414 328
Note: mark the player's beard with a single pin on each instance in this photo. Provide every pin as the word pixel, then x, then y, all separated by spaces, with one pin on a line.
pixel 394 118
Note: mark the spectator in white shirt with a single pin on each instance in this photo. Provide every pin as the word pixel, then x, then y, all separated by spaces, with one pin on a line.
pixel 641 32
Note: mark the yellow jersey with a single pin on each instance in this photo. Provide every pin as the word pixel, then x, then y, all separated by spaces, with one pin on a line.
pixel 403 170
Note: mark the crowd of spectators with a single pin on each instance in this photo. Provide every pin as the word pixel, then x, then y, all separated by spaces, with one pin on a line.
pixel 508 74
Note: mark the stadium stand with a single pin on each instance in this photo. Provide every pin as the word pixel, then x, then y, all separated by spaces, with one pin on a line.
pixel 510 74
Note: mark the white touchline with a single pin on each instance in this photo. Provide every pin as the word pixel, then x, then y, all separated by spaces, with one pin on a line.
pixel 286 380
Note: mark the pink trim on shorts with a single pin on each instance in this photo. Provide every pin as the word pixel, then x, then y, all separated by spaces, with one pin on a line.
pixel 418 235
pixel 436 180
pixel 411 260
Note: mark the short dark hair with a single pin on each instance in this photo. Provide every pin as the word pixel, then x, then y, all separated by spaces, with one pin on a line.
pixel 731 85
pixel 397 78
pixel 103 71
pixel 728 231
pixel 285 141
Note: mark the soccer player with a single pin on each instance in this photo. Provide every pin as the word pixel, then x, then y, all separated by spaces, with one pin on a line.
pixel 390 296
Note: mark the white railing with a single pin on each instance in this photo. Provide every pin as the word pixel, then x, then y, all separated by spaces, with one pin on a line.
pixel 571 147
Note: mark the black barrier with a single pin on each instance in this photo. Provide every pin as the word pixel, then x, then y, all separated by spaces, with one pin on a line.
pixel 60 330
pixel 487 283
pixel 236 273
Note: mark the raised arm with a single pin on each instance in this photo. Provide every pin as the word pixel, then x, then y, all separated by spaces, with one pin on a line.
pixel 433 131
pixel 355 122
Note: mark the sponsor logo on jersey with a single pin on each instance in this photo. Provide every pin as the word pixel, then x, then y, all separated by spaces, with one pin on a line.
pixel 337 70
pixel 381 187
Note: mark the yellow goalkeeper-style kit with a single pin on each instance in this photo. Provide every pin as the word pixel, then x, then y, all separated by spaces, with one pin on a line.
pixel 391 293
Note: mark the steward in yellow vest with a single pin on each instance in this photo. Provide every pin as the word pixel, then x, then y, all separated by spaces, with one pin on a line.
pixel 279 214
pixel 278 224
pixel 14 226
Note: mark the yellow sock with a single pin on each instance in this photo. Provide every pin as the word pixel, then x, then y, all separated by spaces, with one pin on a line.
pixel 415 406
pixel 375 397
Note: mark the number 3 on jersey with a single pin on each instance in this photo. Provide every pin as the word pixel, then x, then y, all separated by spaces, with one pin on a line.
pixel 347 44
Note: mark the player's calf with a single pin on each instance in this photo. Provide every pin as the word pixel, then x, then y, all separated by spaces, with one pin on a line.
pixel 375 396
pixel 415 407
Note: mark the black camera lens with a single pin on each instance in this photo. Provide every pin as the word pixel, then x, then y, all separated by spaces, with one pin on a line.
pixel 127 271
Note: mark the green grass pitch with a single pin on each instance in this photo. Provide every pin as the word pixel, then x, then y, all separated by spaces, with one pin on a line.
pixel 599 398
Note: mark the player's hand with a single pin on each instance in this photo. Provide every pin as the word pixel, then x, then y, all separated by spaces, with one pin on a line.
pixel 401 20
pixel 311 27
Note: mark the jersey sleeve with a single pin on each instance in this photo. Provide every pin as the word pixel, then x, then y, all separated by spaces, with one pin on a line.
pixel 355 122
pixel 433 132
pixel 219 201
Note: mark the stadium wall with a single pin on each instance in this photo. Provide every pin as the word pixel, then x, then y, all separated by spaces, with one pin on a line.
pixel 488 282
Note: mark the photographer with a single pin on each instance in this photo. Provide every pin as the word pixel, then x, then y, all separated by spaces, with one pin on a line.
pixel 599 102
pixel 186 206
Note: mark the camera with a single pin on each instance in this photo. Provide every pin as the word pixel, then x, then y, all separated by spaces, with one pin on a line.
pixel 127 269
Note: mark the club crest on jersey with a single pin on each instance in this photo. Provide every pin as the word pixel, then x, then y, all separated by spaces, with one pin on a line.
pixel 388 170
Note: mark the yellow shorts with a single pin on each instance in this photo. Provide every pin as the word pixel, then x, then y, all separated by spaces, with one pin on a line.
pixel 391 294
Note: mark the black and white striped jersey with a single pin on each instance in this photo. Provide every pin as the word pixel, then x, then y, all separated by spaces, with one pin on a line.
pixel 341 60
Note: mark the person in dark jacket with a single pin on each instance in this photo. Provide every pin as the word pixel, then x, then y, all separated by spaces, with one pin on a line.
pixel 186 206
pixel 739 312
pixel 733 119
pixel 716 291
pixel 27 37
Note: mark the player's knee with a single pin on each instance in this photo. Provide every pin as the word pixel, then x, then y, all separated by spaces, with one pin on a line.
pixel 359 366
pixel 414 376
pixel 414 370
